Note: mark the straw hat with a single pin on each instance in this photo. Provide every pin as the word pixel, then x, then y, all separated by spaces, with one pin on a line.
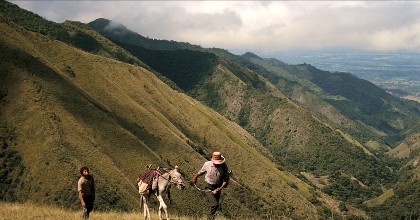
pixel 217 158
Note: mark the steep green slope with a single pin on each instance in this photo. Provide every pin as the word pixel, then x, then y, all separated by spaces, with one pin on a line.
pixel 241 95
pixel 409 148
pixel 73 33
pixel 405 201
pixel 354 105
pixel 291 134
pixel 186 68
pixel 379 115
pixel 62 108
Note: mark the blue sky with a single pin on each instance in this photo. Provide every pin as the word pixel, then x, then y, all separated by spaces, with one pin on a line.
pixel 268 26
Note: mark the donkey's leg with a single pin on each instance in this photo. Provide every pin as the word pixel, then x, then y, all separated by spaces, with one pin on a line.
pixel 146 213
pixel 163 206
pixel 143 205
pixel 147 209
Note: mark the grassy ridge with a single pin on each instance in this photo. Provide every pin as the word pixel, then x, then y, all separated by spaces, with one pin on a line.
pixel 123 35
pixel 73 33
pixel 70 108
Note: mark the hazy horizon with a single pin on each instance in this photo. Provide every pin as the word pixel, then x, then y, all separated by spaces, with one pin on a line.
pixel 270 26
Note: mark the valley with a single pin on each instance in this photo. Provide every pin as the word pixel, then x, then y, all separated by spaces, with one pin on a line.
pixel 398 72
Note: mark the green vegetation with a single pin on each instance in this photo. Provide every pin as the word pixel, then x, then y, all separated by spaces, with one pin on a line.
pixel 360 101
pixel 380 199
pixel 119 33
pixel 53 30
pixel 405 204
pixel 295 139
pixel 74 33
pixel 69 108
pixel 11 165
pixel 184 67
pixel 62 108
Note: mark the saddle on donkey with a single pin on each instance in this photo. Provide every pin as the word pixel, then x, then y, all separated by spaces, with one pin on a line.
pixel 147 180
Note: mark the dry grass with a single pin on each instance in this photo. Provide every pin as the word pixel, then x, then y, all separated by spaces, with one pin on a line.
pixel 319 182
pixel 12 211
pixel 412 97
pixel 380 199
pixel 354 141
pixel 406 147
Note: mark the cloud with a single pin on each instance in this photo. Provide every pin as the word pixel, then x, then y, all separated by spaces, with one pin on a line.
pixel 255 25
pixel 112 26
pixel 177 23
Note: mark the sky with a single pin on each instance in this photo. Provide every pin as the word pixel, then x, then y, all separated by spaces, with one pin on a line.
pixel 260 26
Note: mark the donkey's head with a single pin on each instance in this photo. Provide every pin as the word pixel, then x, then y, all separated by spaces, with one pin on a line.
pixel 176 178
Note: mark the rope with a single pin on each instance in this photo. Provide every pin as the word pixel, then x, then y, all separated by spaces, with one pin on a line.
pixel 168 179
pixel 201 190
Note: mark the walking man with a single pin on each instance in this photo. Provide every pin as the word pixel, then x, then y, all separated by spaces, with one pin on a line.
pixel 86 188
pixel 216 177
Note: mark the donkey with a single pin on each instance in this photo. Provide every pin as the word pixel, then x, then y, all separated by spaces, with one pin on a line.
pixel 171 176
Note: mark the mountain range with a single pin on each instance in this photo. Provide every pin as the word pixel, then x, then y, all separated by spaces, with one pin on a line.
pixel 303 143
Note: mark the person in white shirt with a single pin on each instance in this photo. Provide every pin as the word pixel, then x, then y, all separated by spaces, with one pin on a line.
pixel 217 177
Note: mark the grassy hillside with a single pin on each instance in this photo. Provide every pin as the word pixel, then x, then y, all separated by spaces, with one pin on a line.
pixel 65 107
pixel 62 108
pixel 409 148
pixel 379 115
pixel 405 201
pixel 186 68
pixel 342 100
pixel 295 84
pixel 34 211
pixel 73 33
pixel 296 140
pixel 288 131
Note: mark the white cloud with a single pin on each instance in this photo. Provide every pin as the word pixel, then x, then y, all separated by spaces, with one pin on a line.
pixel 254 25
pixel 406 37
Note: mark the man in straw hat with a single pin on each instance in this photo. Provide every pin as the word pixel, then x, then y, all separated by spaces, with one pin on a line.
pixel 216 177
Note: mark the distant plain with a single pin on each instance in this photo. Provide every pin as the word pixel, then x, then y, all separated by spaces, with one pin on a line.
pixel 397 72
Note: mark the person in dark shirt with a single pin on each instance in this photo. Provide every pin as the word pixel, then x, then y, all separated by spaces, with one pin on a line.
pixel 86 189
